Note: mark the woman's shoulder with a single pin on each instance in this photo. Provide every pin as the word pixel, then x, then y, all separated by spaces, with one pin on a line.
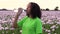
pixel 25 17
pixel 38 19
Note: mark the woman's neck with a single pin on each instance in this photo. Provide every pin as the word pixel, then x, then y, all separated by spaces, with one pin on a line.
pixel 30 16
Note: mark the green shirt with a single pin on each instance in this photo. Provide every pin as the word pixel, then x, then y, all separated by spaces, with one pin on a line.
pixel 30 26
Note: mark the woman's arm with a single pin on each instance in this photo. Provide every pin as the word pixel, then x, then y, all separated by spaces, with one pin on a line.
pixel 16 17
pixel 38 26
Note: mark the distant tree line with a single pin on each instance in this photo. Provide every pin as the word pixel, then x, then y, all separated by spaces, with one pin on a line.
pixel 47 9
pixel 3 9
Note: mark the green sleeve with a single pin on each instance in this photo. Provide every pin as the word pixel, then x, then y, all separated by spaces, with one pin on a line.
pixel 20 22
pixel 39 26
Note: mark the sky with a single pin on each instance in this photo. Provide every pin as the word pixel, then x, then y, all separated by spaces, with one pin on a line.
pixel 11 4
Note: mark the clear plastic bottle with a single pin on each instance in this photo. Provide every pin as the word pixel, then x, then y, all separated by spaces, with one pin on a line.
pixel 23 14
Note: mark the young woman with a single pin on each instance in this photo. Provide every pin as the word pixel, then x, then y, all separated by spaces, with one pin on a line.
pixel 31 24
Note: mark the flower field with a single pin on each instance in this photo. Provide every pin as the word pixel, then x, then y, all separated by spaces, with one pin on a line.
pixel 50 20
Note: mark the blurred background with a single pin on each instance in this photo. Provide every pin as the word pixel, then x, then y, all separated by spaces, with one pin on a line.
pixel 50 15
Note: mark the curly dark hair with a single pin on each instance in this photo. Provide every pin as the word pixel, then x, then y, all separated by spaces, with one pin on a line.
pixel 35 10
